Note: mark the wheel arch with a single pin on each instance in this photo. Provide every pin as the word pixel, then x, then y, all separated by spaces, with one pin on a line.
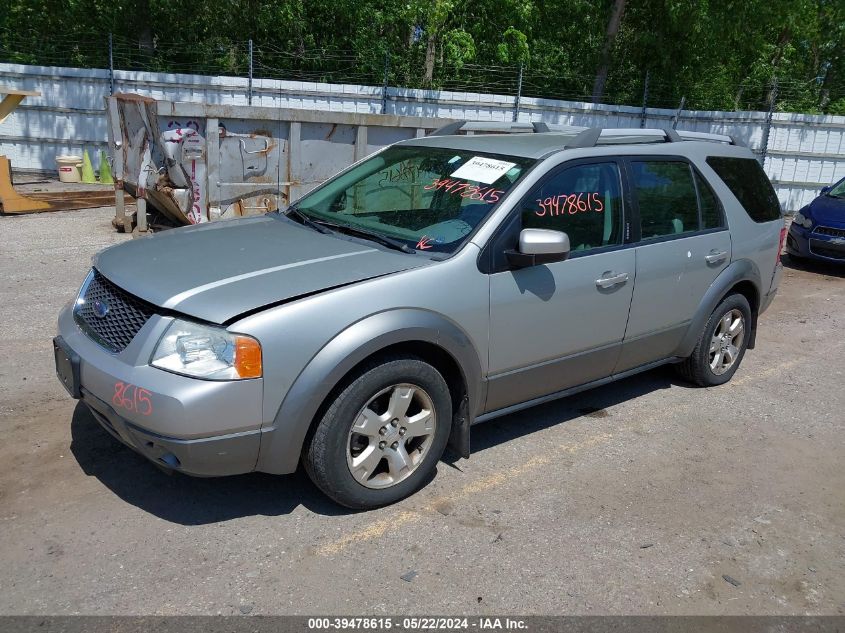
pixel 741 276
pixel 429 335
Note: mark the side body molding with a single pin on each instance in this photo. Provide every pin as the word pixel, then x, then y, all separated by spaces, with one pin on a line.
pixel 281 443
pixel 738 271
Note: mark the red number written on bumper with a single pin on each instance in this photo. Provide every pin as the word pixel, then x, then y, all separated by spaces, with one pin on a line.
pixel 132 398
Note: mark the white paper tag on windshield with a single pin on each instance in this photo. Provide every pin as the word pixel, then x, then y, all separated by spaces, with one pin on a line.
pixel 481 169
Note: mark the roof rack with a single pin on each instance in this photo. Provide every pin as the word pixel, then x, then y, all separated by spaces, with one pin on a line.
pixel 501 127
pixel 585 137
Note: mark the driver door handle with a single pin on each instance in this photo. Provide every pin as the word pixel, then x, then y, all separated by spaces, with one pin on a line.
pixel 716 257
pixel 610 279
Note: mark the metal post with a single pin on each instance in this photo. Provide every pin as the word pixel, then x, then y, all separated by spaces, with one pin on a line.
pixel 141 215
pixel 678 113
pixel 768 127
pixel 518 95
pixel 111 64
pixel 384 83
pixel 249 88
pixel 645 101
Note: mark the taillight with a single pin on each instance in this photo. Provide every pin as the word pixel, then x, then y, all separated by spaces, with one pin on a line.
pixel 780 245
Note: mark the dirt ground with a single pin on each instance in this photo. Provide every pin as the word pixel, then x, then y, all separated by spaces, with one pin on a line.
pixel 644 497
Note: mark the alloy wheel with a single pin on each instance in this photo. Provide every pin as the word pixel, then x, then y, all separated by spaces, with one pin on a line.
pixel 727 342
pixel 391 436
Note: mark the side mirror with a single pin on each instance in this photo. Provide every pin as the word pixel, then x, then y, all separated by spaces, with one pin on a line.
pixel 825 189
pixel 539 246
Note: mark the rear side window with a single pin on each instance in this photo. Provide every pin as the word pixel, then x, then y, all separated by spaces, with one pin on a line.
pixel 749 183
pixel 666 198
pixel 711 212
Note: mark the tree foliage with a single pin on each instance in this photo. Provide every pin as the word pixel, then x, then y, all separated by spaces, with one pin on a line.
pixel 718 54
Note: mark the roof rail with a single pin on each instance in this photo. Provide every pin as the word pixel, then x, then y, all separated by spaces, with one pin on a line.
pixel 449 128
pixel 590 137
pixel 672 136
pixel 585 137
pixel 708 136
pixel 502 127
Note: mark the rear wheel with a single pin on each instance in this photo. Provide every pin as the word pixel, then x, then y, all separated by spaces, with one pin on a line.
pixel 382 435
pixel 722 344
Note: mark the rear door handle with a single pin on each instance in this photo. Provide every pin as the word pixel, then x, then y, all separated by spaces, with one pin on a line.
pixel 716 257
pixel 611 279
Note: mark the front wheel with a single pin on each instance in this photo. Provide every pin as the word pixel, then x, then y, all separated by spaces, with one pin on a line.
pixel 382 435
pixel 722 344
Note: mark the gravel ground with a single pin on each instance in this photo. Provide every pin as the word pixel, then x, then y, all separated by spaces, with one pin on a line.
pixel 644 497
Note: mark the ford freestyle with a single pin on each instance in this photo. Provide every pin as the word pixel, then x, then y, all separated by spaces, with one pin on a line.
pixel 441 282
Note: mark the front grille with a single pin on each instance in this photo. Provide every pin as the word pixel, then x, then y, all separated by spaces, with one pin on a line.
pixel 829 230
pixel 109 315
pixel 826 249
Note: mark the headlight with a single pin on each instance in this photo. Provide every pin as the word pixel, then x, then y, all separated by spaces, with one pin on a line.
pixel 804 221
pixel 205 351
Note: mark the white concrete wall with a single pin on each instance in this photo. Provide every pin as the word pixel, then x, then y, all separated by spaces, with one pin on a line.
pixel 805 152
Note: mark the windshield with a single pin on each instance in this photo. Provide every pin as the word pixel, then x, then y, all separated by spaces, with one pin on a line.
pixel 838 191
pixel 426 198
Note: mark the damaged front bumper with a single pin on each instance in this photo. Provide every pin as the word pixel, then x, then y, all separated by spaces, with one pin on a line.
pixel 199 427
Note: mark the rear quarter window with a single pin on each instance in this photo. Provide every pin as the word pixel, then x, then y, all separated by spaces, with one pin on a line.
pixel 711 210
pixel 749 183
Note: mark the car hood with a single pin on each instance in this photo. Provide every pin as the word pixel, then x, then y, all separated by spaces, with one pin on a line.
pixel 218 271
pixel 828 211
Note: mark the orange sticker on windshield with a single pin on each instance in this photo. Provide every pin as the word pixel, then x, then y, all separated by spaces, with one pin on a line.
pixel 424 243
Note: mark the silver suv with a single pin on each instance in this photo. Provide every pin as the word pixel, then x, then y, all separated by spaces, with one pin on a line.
pixel 441 282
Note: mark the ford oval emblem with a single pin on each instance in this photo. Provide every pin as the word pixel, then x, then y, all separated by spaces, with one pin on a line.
pixel 101 308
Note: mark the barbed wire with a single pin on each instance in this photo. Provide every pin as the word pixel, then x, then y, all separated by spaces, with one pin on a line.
pixel 328 65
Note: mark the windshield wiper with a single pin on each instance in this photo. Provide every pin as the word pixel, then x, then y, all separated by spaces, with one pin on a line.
pixel 328 228
pixel 371 235
pixel 317 226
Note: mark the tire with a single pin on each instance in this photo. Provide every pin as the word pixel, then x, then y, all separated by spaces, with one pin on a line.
pixel 372 402
pixel 702 367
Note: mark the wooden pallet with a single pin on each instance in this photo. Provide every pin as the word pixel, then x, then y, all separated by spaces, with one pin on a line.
pixel 14 203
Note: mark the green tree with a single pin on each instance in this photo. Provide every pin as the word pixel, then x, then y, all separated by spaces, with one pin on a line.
pixel 719 54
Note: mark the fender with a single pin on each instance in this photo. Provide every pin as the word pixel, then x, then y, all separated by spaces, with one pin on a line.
pixel 738 271
pixel 281 443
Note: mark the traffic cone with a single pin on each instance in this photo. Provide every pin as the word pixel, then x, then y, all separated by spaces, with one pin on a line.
pixel 87 169
pixel 105 170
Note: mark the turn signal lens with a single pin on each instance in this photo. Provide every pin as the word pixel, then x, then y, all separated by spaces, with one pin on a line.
pixel 247 357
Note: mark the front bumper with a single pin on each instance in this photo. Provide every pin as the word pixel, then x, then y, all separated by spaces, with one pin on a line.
pixel 198 427
pixel 206 457
pixel 811 244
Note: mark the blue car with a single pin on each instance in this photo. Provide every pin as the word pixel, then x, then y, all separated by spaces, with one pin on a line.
pixel 818 230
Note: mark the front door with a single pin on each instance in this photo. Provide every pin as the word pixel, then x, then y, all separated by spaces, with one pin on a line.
pixel 559 325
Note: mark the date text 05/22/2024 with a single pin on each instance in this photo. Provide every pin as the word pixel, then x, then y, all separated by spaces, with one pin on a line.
pixel 418 623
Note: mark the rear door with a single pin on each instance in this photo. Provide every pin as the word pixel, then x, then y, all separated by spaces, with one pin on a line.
pixel 682 246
